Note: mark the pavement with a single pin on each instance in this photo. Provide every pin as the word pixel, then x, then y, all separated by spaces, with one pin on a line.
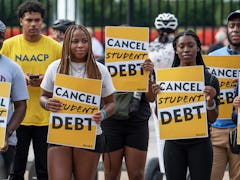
pixel 152 152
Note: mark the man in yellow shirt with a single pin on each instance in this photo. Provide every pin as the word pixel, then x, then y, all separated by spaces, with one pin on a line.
pixel 33 52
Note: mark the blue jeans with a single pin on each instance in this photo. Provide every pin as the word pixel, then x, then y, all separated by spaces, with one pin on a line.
pixel 6 159
pixel 38 135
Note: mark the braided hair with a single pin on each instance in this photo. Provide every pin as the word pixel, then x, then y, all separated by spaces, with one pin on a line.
pixel 91 66
pixel 199 59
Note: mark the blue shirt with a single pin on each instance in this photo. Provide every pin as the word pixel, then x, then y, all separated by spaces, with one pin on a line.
pixel 11 72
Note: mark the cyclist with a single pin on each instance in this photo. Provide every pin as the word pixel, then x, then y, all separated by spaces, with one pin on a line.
pixel 161 50
pixel 59 27
pixel 161 53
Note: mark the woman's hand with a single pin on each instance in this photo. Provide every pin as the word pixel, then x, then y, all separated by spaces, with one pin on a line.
pixel 148 65
pixel 210 93
pixel 98 117
pixel 156 88
pixel 53 105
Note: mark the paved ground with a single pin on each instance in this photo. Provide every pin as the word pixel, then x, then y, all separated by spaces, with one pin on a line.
pixel 152 152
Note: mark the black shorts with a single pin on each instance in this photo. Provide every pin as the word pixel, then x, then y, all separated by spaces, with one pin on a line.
pixel 99 146
pixel 121 133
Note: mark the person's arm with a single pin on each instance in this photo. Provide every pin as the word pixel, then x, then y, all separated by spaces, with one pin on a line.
pixel 212 105
pixel 15 121
pixel 236 105
pixel 148 66
pixel 107 110
pixel 48 103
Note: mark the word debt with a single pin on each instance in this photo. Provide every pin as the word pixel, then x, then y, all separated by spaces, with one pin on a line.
pixel 71 123
pixel 180 115
pixel 74 95
pixel 125 69
pixel 126 44
pixel 180 86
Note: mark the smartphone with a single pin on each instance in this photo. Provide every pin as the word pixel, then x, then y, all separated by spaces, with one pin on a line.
pixel 34 76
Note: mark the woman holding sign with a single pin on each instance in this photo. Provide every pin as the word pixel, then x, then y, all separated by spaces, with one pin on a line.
pixel 195 153
pixel 127 133
pixel 77 60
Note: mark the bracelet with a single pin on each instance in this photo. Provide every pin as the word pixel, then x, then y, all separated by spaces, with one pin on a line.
pixel 212 107
pixel 104 114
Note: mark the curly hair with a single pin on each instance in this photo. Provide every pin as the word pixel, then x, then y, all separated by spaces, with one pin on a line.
pixel 199 59
pixel 91 66
pixel 30 6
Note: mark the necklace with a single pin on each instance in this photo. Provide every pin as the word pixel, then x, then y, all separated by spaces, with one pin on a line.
pixel 77 69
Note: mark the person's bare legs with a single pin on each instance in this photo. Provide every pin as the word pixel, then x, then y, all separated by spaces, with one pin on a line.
pixel 85 164
pixel 135 162
pixel 113 166
pixel 59 163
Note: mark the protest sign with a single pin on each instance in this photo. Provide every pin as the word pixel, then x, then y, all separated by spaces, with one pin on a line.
pixel 73 125
pixel 126 48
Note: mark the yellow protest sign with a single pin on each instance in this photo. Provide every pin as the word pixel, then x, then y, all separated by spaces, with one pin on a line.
pixel 226 69
pixel 126 48
pixel 73 125
pixel 238 118
pixel 5 89
pixel 181 105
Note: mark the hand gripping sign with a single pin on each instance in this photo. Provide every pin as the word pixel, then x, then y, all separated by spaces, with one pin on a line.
pixel 73 125
pixel 4 102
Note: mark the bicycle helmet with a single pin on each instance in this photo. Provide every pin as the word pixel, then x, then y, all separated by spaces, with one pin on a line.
pixel 62 24
pixel 2 27
pixel 166 21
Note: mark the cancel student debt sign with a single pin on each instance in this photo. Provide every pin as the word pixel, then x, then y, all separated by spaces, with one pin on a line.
pixel 126 50
pixel 4 102
pixel 225 68
pixel 181 103
pixel 73 125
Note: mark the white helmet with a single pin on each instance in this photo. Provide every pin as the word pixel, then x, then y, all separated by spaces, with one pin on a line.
pixel 166 20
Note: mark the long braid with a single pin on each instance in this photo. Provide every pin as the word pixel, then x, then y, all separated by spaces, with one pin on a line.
pixel 91 66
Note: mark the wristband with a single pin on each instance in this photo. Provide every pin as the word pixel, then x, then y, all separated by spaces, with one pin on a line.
pixel 104 114
pixel 212 107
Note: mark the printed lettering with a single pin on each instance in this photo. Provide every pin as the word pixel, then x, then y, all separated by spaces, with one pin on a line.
pixel 37 58
pixel 125 70
pixel 71 123
pixel 180 115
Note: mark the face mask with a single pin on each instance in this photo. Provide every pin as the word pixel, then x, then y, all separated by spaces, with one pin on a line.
pixel 170 37
pixel 166 38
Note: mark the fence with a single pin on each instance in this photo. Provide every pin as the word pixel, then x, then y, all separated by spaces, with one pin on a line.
pixel 203 16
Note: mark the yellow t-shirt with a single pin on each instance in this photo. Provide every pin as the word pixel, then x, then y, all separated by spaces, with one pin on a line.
pixel 33 57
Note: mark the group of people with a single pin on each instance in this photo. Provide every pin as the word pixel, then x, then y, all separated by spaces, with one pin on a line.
pixel 206 158
pixel 30 62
